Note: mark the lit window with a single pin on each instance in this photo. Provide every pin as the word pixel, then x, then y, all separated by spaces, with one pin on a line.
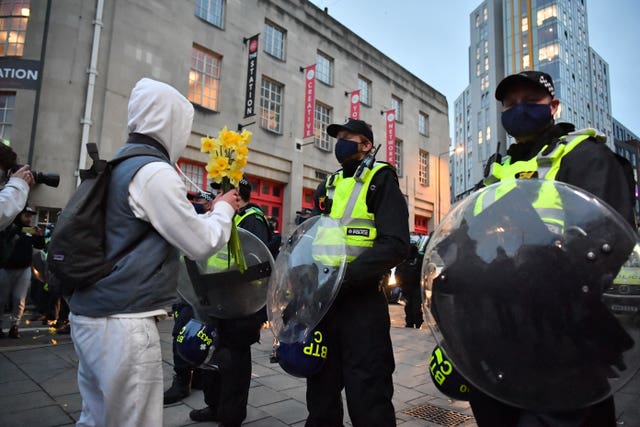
pixel 423 123
pixel 204 77
pixel 486 47
pixel 525 62
pixel 13 26
pixel 477 21
pixel 396 104
pixel 7 103
pixel 478 69
pixel 274 38
pixel 478 53
pixel 548 53
pixel 423 171
pixel 485 14
pixel 211 11
pixel 480 141
pixel 365 90
pixel 399 156
pixel 488 133
pixel 525 24
pixel 322 120
pixel 486 64
pixel 550 11
pixel 271 94
pixel 324 68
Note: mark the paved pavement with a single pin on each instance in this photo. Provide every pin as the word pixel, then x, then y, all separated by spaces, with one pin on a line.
pixel 38 385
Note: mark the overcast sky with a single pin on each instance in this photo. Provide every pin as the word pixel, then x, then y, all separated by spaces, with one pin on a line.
pixel 430 38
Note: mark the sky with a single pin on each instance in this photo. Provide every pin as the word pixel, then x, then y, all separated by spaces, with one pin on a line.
pixel 430 38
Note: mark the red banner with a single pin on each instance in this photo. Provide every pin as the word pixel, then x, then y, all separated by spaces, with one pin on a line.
pixel 390 127
pixel 354 110
pixel 309 99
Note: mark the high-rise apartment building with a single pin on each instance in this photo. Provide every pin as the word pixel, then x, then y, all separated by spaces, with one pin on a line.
pixel 509 36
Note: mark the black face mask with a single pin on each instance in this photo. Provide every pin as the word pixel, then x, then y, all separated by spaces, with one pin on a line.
pixel 344 149
pixel 199 207
pixel 524 120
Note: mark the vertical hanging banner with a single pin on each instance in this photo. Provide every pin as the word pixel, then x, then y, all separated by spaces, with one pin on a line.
pixel 309 99
pixel 354 110
pixel 390 118
pixel 252 70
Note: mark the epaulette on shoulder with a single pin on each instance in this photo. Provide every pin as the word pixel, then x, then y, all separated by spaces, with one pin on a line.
pixel 591 132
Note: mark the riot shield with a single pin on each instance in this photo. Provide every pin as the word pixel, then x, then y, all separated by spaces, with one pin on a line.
pixel 519 290
pixel 306 279
pixel 216 288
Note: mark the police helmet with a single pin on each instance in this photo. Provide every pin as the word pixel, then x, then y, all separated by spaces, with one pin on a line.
pixel 444 376
pixel 303 359
pixel 196 342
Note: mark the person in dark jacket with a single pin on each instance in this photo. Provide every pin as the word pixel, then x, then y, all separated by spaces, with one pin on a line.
pixel 408 274
pixel 15 274
pixel 529 105
pixel 357 325
pixel 226 390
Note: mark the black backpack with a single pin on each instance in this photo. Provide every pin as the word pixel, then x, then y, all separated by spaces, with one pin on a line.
pixel 76 257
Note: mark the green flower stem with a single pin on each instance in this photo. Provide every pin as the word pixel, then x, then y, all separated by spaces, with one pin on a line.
pixel 235 248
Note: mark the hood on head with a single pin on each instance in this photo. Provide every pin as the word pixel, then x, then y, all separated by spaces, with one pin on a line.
pixel 161 112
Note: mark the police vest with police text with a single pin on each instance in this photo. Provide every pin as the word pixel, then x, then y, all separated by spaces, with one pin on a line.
pixel 348 197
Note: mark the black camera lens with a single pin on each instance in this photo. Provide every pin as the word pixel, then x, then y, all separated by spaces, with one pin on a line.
pixel 48 179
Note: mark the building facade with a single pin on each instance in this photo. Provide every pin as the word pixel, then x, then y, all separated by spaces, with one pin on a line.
pixel 91 54
pixel 545 35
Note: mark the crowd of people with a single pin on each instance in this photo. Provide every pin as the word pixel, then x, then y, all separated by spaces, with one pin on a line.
pixel 150 223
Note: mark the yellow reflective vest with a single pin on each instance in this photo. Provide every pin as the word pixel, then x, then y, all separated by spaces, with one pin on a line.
pixel 348 197
pixel 543 166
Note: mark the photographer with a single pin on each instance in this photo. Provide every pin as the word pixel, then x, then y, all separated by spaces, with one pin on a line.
pixel 13 195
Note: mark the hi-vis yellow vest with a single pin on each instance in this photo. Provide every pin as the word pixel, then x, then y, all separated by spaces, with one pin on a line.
pixel 348 205
pixel 543 166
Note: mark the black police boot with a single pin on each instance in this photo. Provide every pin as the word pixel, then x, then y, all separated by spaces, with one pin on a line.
pixel 205 414
pixel 180 388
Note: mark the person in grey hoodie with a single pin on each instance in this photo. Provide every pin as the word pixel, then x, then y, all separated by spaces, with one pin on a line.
pixel 148 222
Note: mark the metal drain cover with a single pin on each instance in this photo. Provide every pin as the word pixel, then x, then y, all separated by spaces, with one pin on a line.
pixel 436 415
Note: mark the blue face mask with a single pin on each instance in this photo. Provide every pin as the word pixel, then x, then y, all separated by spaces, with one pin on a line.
pixel 344 149
pixel 526 119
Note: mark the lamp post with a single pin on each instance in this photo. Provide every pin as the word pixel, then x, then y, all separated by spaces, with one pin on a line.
pixel 449 153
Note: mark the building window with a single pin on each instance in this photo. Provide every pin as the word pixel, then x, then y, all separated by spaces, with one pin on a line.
pixel 323 115
pixel 324 68
pixel 486 47
pixel 196 173
pixel 365 90
pixel 271 94
pixel 211 11
pixel 423 171
pixel 545 13
pixel 486 63
pixel 204 77
pixel 488 136
pixel 14 16
pixel 423 123
pixel 548 53
pixel 485 14
pixel 7 103
pixel 274 39
pixel 396 104
pixel 399 156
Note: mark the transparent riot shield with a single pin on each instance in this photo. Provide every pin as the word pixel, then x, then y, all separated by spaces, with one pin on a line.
pixel 530 288
pixel 306 279
pixel 216 288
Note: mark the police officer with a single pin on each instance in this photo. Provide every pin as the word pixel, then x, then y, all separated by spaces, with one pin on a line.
pixel 548 150
pixel 226 390
pixel 408 274
pixel 357 325
pixel 185 376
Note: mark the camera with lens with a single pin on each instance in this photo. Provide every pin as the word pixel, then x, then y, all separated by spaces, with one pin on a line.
pixel 48 179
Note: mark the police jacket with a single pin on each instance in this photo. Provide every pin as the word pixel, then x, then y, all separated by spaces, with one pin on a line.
pixel 389 208
pixel 251 218
pixel 591 166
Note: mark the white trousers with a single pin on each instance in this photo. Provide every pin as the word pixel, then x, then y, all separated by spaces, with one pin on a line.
pixel 119 371
pixel 14 284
